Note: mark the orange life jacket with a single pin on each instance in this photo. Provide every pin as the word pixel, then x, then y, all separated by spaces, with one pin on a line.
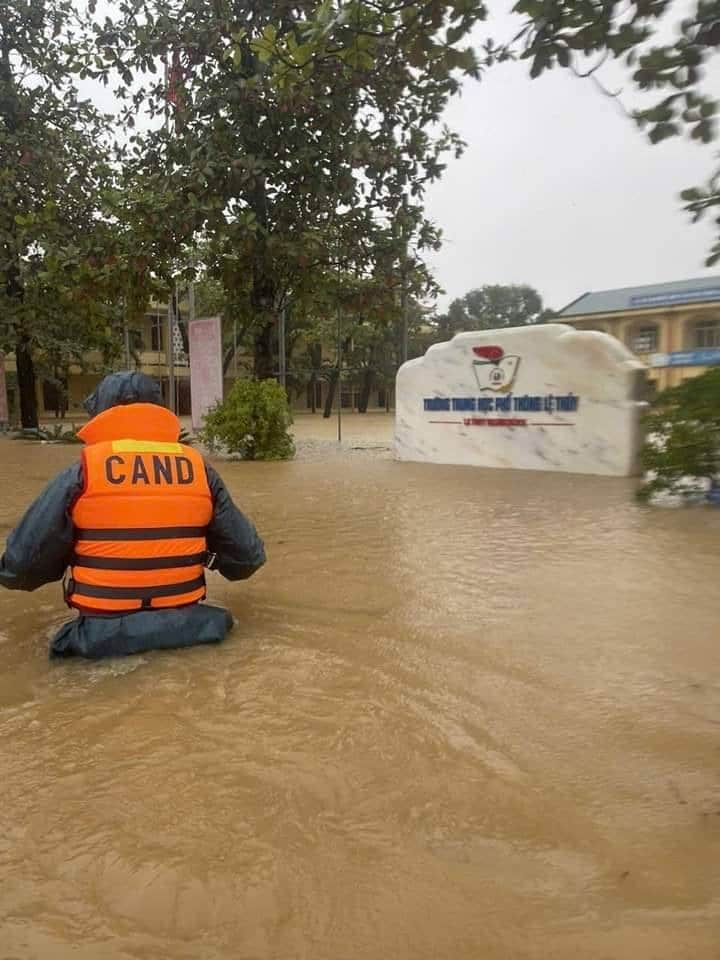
pixel 141 520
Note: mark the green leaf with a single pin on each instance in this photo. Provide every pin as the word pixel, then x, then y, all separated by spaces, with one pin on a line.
pixel 417 56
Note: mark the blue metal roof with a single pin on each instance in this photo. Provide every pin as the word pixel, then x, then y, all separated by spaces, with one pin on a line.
pixel 702 290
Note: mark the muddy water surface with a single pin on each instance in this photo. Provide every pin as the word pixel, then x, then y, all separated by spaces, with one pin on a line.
pixel 466 714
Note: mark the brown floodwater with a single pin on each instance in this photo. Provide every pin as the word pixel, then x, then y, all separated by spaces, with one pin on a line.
pixel 465 714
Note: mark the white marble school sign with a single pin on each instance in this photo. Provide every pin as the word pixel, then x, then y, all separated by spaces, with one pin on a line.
pixel 544 397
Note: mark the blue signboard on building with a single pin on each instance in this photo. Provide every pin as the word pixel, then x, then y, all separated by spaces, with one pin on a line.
pixel 681 296
pixel 686 358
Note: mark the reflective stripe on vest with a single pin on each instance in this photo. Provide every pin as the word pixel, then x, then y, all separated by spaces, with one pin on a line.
pixel 140 526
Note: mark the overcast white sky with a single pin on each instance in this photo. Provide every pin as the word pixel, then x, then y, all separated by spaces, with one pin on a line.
pixel 560 190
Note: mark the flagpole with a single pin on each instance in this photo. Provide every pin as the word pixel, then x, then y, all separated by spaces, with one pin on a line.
pixel 169 346
pixel 191 319
pixel 126 334
pixel 282 359
pixel 339 355
pixel 339 386
pixel 170 350
pixel 235 345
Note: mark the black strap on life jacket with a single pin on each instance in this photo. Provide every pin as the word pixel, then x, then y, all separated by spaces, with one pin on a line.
pixel 142 533
pixel 139 563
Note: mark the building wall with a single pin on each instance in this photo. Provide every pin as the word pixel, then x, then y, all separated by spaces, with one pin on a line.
pixel 147 345
pixel 661 330
pixel 147 342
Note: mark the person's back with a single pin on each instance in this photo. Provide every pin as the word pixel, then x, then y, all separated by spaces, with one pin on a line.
pixel 141 520
pixel 136 521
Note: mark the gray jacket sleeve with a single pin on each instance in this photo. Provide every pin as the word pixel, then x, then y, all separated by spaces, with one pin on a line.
pixel 231 536
pixel 39 549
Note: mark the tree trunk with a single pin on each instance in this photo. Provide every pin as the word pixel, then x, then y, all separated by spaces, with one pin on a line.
pixel 229 353
pixel 13 283
pixel 26 384
pixel 314 351
pixel 64 394
pixel 332 386
pixel 367 382
pixel 263 293
pixel 264 367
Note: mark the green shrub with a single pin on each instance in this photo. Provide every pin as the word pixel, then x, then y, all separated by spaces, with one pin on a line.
pixel 252 421
pixel 683 437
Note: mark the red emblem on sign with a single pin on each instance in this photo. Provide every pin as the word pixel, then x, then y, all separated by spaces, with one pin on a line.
pixel 491 354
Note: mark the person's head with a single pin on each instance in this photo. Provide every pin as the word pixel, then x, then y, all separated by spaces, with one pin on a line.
pixel 118 389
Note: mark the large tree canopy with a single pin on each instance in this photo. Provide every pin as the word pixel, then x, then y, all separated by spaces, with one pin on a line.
pixel 60 250
pixel 304 134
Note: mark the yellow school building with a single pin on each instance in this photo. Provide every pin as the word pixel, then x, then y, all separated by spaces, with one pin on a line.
pixel 144 350
pixel 672 327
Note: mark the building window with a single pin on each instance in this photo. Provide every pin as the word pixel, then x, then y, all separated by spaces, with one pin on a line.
pixel 157 329
pixel 135 340
pixel 644 340
pixel 707 334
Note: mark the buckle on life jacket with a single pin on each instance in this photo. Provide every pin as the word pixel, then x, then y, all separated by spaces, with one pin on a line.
pixel 68 585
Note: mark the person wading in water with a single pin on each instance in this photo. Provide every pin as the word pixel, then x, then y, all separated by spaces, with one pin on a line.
pixel 131 528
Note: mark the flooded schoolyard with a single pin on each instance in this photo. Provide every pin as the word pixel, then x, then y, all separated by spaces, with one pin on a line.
pixel 465 714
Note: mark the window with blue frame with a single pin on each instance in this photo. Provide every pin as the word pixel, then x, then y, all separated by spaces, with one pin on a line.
pixel 707 334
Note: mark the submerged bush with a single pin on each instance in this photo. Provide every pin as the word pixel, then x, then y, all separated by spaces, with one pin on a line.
pixel 682 449
pixel 252 421
pixel 55 434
